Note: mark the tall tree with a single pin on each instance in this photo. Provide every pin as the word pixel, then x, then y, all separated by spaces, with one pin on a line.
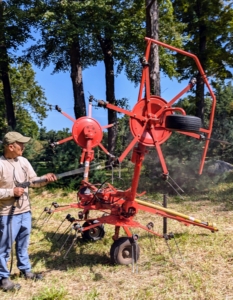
pixel 4 62
pixel 15 25
pixel 65 42
pixel 161 25
pixel 152 31
pixel 209 32
pixel 75 35
pixel 118 26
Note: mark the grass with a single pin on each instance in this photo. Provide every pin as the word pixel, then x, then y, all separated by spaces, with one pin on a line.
pixel 197 264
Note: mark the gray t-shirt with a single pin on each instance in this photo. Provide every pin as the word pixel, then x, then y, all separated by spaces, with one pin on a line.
pixel 12 171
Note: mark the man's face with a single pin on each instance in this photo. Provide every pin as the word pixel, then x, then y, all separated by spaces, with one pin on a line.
pixel 17 149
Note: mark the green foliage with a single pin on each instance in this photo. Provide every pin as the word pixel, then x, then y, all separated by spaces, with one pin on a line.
pixel 32 150
pixel 60 25
pixel 208 33
pixel 28 99
pixel 223 123
pixel 17 21
pixel 170 32
pixel 123 135
pixel 59 159
pixel 223 120
pixel 183 154
pixel 122 22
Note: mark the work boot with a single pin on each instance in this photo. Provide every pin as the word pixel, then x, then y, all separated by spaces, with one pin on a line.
pixel 7 285
pixel 31 275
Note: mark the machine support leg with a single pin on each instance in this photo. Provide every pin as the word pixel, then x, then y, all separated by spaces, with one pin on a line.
pixel 164 218
pixel 116 235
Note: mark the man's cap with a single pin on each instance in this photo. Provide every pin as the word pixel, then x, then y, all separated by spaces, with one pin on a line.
pixel 13 136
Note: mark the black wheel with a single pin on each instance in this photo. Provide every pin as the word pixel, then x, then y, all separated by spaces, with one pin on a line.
pixel 123 251
pixel 93 234
pixel 183 123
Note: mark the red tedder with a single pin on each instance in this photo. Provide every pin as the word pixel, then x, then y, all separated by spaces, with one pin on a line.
pixel 151 121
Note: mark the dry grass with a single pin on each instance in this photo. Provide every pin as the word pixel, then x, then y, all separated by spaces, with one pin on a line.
pixel 197 264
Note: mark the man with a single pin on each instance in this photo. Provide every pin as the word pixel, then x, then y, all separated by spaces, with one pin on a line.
pixel 15 209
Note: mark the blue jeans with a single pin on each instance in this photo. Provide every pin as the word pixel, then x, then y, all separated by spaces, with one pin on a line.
pixel 20 231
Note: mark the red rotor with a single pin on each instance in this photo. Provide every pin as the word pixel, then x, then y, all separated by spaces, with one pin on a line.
pixel 153 123
pixel 86 128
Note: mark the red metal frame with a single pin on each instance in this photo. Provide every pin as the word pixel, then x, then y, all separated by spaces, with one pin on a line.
pixel 147 124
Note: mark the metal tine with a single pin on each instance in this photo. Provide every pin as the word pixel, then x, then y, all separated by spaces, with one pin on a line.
pixel 170 251
pixel 178 249
pixel 50 212
pixel 175 189
pixel 45 210
pixel 66 218
pixel 77 227
pixel 176 184
pixel 71 220
pixel 66 240
pixel 150 226
pixel 171 235
pixel 74 239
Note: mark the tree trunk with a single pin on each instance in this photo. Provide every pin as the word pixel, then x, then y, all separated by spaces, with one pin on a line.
pixel 200 87
pixel 77 81
pixel 4 62
pixel 200 97
pixel 107 48
pixel 152 31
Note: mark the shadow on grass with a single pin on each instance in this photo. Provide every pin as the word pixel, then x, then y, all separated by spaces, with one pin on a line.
pixel 74 260
pixel 62 254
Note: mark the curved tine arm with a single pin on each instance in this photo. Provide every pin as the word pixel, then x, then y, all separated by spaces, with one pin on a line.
pixel 64 140
pixel 161 158
pixel 127 150
pixel 131 145
pixel 204 156
pixel 159 151
pixel 124 111
pixel 69 117
pixel 105 150
pixel 188 87
pixel 64 114
pixel 108 126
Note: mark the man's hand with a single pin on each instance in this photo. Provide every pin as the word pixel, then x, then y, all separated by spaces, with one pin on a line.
pixel 18 191
pixel 51 177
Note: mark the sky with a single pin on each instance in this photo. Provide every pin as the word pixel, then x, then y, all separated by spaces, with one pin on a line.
pixel 58 91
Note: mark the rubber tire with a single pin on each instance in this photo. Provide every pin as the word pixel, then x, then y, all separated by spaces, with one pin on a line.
pixel 119 250
pixel 183 123
pixel 93 234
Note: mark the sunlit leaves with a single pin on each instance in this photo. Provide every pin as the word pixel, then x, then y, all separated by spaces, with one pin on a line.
pixel 28 99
